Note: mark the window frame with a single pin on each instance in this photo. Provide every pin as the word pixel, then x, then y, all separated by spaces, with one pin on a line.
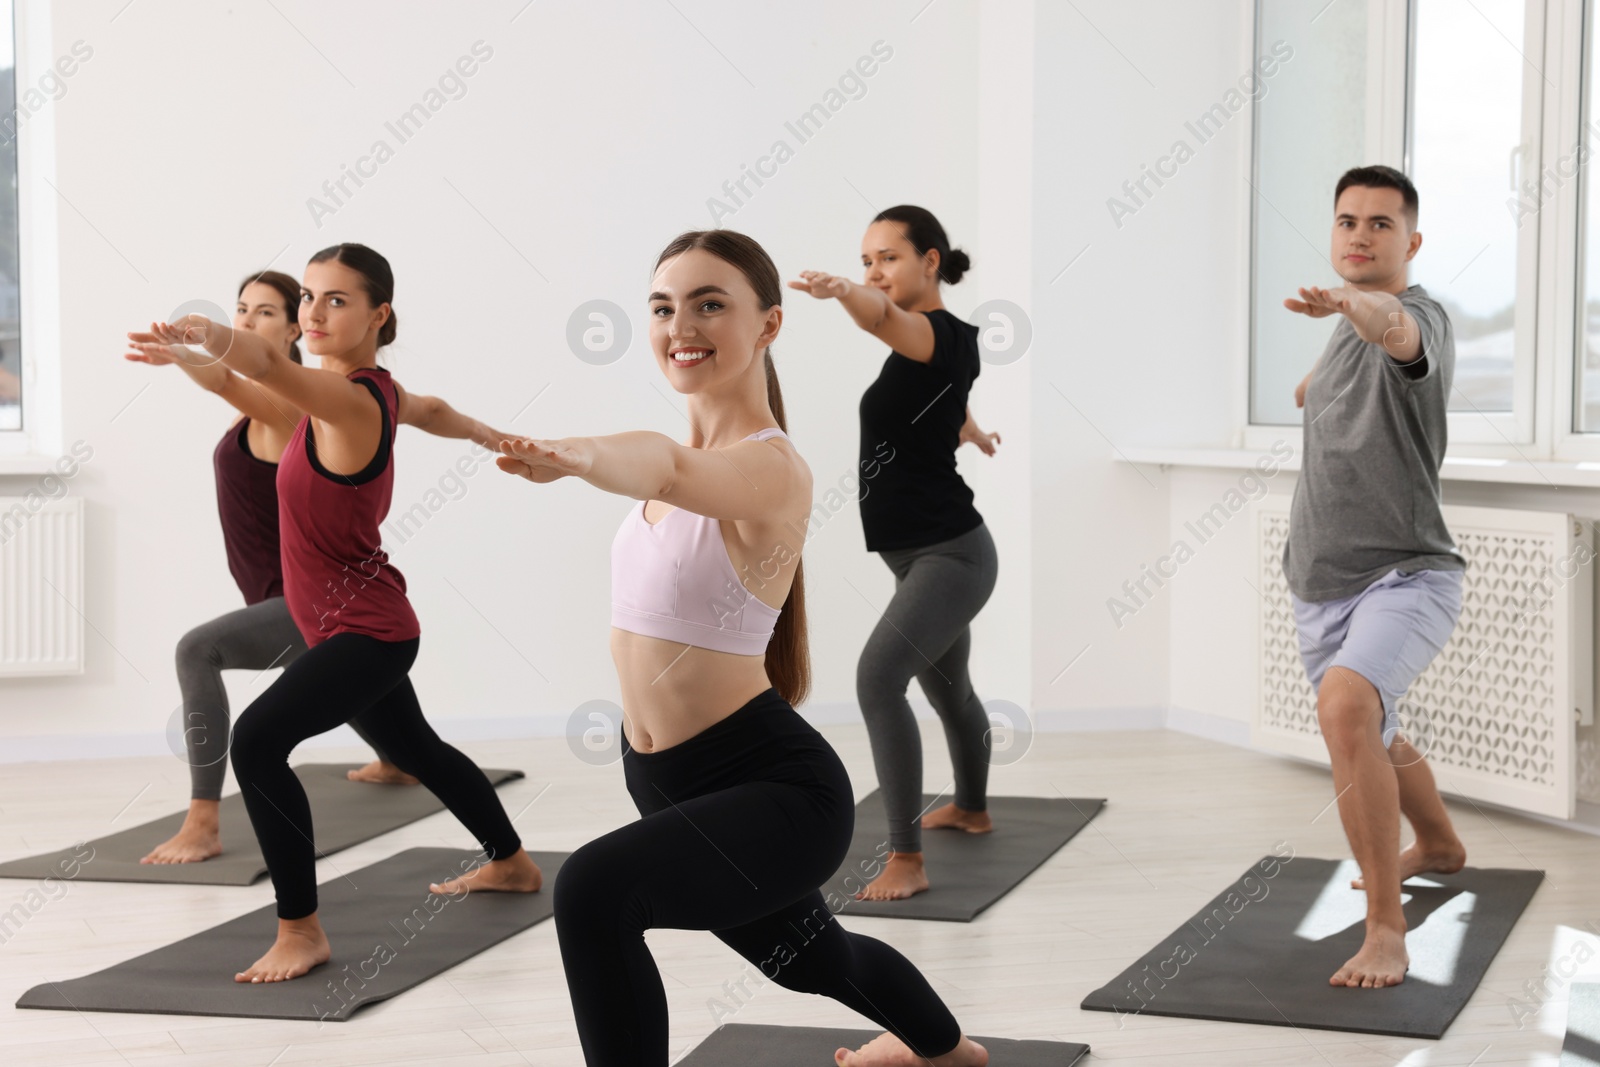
pixel 38 242
pixel 1564 215
pixel 1527 431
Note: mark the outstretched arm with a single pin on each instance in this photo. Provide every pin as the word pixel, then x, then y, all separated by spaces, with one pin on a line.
pixel 212 376
pixel 430 414
pixel 322 394
pixel 1379 318
pixel 907 333
pixel 746 480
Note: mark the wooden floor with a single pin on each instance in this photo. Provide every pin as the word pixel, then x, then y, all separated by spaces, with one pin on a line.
pixel 1184 818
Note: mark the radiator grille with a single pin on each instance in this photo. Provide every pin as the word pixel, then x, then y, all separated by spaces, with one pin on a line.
pixel 41 587
pixel 1495 713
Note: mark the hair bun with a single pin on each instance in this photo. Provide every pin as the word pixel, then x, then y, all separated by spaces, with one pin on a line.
pixel 955 265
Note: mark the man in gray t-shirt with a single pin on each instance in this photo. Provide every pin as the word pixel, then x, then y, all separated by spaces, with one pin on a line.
pixel 1374 576
pixel 1367 500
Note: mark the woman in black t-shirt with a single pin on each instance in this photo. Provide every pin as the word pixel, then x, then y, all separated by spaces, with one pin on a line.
pixel 918 515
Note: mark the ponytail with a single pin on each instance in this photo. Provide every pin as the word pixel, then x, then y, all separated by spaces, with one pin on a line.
pixel 788 654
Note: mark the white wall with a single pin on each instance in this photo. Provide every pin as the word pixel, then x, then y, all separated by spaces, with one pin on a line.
pixel 588 140
pixel 1137 339
pixel 190 143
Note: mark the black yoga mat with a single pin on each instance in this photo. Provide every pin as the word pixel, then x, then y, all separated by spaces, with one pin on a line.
pixel 343 812
pixel 1263 951
pixel 1582 1045
pixel 389 933
pixel 966 872
pixel 740 1045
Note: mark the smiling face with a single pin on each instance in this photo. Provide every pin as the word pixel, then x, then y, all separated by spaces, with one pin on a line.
pixel 706 323
pixel 335 313
pixel 261 311
pixel 1372 238
pixel 891 263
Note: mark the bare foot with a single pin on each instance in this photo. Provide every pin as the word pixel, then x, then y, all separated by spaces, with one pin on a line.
pixel 886 1050
pixel 1381 962
pixel 973 822
pixel 198 839
pixel 301 945
pixel 1443 858
pixel 903 876
pixel 517 873
pixel 381 773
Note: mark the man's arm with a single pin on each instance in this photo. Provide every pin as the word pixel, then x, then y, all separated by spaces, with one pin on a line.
pixel 1300 390
pixel 1378 318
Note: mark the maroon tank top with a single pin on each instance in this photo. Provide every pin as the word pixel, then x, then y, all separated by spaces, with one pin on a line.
pixel 247 503
pixel 336 576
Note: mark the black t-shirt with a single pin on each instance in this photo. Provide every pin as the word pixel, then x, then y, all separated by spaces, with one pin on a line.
pixel 911 495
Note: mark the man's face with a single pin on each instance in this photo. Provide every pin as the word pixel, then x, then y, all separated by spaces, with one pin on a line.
pixel 1372 239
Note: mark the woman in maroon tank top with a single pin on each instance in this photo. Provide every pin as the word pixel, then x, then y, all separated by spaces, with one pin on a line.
pixel 261 635
pixel 348 601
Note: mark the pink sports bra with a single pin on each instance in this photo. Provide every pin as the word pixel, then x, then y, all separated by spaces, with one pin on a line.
pixel 675 580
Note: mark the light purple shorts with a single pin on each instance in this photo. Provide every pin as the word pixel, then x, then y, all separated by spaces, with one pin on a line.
pixel 1388 633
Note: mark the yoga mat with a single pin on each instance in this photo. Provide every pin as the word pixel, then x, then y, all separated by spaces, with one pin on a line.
pixel 1263 950
pixel 741 1044
pixel 343 812
pixel 967 872
pixel 388 932
pixel 1582 1045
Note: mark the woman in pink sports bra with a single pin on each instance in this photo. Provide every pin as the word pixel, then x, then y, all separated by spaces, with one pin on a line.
pixel 744 808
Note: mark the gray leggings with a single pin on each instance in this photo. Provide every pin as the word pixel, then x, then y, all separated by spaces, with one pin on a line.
pixel 253 638
pixel 924 634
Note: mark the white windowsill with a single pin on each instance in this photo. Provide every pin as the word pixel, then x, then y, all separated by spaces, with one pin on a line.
pixel 1583 475
pixel 26 463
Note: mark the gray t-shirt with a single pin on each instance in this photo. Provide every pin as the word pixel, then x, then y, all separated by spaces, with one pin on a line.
pixel 1367 501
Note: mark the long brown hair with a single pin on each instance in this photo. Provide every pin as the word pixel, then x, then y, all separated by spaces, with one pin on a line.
pixel 788 660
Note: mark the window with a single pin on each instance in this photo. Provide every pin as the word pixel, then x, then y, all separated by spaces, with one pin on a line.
pixel 1297 163
pixel 1453 92
pixel 1465 157
pixel 1577 159
pixel 10 261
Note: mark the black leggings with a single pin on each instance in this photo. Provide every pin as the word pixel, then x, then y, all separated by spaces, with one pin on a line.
pixel 348 676
pixel 738 826
pixel 257 637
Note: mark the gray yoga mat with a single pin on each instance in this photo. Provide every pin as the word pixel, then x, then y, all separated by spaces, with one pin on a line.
pixel 343 812
pixel 389 933
pixel 967 872
pixel 741 1044
pixel 1581 1048
pixel 1263 950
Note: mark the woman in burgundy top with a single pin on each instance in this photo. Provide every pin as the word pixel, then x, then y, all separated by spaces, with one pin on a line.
pixel 348 601
pixel 260 635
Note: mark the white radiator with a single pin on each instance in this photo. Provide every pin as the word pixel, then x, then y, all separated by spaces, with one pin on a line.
pixel 1496 712
pixel 41 587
